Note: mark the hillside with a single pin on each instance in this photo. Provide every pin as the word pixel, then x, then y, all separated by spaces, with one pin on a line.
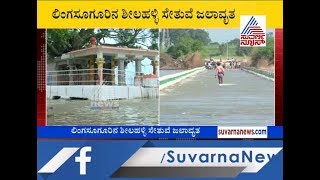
pixel 214 51
pixel 188 61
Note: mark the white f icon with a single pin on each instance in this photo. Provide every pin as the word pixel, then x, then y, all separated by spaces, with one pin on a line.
pixel 83 159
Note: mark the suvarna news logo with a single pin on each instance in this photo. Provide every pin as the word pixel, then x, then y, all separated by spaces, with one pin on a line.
pixel 252 31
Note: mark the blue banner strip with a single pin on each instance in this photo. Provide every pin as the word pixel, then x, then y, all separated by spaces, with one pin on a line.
pixel 139 132
pixel 125 132
pixel 107 156
pixel 275 132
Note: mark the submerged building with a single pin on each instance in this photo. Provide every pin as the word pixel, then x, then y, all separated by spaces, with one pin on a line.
pixel 100 71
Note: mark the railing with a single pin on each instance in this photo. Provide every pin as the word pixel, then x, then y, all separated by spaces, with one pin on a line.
pixel 92 77
pixel 259 71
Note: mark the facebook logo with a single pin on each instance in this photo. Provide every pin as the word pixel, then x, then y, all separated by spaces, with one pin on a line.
pixel 83 159
pixel 63 155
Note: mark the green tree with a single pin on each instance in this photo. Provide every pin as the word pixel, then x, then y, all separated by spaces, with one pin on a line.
pixel 154 39
pixel 175 52
pixel 196 46
pixel 60 41
pixel 175 34
pixel 235 41
pixel 200 35
pixel 214 44
pixel 243 51
pixel 266 52
pixel 223 48
pixel 183 46
pixel 196 34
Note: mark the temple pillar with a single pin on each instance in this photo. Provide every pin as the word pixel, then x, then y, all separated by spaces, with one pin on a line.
pixel 91 71
pixel 121 72
pixel 155 64
pixel 138 66
pixel 112 70
pixel 100 61
pixel 138 76
pixel 71 72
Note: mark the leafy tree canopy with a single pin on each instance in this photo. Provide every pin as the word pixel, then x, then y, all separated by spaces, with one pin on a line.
pixel 196 34
pixel 60 41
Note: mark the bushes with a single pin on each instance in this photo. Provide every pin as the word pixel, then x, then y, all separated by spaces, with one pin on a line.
pixel 184 45
pixel 175 51
pixel 267 52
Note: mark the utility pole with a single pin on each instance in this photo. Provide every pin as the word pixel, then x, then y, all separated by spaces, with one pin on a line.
pixel 163 38
pixel 227 51
pixel 168 37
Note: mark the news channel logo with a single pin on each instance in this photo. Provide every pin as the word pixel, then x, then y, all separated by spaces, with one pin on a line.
pixel 63 155
pixel 253 31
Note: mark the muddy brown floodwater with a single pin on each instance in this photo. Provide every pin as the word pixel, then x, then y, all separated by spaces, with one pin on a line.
pixel 77 112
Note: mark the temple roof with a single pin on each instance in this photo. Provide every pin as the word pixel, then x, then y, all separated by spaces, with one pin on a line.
pixel 113 51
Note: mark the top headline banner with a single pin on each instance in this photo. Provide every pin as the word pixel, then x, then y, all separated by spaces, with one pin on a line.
pixel 154 13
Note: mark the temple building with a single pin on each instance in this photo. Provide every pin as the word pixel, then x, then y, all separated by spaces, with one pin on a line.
pixel 101 66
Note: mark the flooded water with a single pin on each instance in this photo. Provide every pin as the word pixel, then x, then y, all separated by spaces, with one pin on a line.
pixel 167 72
pixel 244 100
pixel 79 112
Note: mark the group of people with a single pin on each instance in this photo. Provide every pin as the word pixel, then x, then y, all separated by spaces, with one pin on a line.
pixel 210 64
pixel 220 67
pixel 229 64
pixel 233 64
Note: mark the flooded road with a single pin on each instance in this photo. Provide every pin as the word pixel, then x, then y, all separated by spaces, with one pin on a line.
pixel 244 100
pixel 79 112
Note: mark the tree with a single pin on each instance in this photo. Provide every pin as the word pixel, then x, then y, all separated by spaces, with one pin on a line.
pixel 154 39
pixel 196 34
pixel 200 35
pixel 183 46
pixel 184 41
pixel 175 52
pixel 267 52
pixel 214 44
pixel 60 41
pixel 222 48
pixel 196 46
pixel 175 34
pixel 132 38
pixel 243 51
pixel 235 41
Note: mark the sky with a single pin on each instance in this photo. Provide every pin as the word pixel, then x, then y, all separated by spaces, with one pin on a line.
pixel 224 35
pixel 112 41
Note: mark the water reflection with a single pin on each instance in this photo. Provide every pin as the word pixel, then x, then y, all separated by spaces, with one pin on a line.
pixel 77 112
